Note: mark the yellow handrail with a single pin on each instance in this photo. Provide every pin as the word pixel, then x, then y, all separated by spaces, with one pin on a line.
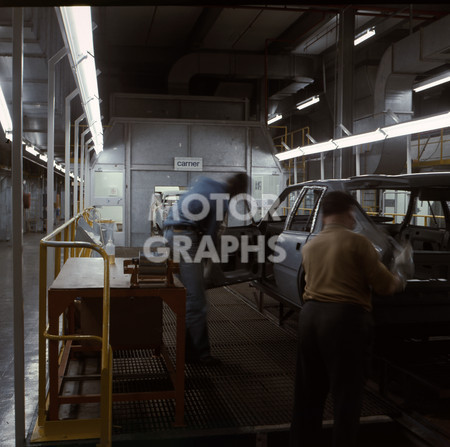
pixel 425 217
pixel 68 228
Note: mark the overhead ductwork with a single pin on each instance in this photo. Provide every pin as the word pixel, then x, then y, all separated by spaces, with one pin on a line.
pixel 418 53
pixel 250 66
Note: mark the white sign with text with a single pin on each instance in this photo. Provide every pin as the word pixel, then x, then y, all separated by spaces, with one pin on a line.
pixel 188 163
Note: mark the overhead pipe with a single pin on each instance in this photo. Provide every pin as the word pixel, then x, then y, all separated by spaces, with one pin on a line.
pixel 69 98
pixel 400 64
pixel 245 65
pixel 17 227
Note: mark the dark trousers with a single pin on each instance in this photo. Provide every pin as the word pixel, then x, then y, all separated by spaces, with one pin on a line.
pixel 191 273
pixel 333 347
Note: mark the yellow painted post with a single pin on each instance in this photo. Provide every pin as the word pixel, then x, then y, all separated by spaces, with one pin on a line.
pixel 72 233
pixel 57 256
pixel 106 374
pixel 66 249
pixel 42 328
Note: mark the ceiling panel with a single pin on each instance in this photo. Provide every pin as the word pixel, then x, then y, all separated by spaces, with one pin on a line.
pixel 268 25
pixel 230 25
pixel 125 25
pixel 173 25
pixel 247 29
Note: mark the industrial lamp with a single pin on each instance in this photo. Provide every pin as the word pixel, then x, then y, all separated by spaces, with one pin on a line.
pixel 77 25
pixel 309 102
pixel 367 34
pixel 275 118
pixel 5 117
pixel 432 82
pixel 396 130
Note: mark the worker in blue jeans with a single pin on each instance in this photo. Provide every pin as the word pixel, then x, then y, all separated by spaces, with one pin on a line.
pixel 196 215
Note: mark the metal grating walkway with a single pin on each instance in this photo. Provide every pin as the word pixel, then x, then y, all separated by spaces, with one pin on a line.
pixel 252 388
pixel 251 391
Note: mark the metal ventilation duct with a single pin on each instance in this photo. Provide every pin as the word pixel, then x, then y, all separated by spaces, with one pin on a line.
pixel 239 65
pixel 418 53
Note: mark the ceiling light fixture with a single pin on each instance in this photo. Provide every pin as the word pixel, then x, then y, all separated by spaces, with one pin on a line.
pixel 417 126
pixel 5 117
pixel 275 118
pixel 367 34
pixel 308 102
pixel 396 130
pixel 307 150
pixel 432 82
pixel 356 140
pixel 43 157
pixel 31 149
pixel 77 24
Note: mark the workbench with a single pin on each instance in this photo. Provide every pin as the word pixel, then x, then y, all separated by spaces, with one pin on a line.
pixel 83 278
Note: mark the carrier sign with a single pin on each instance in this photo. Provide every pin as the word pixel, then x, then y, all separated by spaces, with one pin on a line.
pixel 188 163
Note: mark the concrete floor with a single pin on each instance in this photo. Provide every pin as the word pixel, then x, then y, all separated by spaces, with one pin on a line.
pixel 30 297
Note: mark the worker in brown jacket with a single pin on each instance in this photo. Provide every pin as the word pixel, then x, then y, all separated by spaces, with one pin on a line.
pixel 335 328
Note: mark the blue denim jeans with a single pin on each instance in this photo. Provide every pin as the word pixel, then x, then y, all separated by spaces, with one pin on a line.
pixel 191 273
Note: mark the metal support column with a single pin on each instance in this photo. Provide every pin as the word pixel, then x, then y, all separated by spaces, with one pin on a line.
pixel 128 184
pixel 67 156
pixel 87 175
pixel 17 226
pixel 75 163
pixel 322 166
pixel 83 149
pixel 408 155
pixel 51 135
pixel 344 87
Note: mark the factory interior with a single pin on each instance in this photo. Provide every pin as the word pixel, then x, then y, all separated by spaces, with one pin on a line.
pixel 110 111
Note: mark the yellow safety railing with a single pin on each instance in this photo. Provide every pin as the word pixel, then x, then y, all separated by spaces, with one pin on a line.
pixel 294 138
pixel 425 217
pixel 74 248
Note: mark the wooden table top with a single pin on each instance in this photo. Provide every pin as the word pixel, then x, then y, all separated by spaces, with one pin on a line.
pixel 87 273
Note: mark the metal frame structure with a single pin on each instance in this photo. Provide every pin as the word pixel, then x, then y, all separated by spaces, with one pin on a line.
pixel 53 430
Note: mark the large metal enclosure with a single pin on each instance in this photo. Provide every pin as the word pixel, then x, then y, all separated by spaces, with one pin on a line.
pixel 148 132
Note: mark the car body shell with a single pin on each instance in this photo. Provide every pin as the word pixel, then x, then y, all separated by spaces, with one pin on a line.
pixel 425 303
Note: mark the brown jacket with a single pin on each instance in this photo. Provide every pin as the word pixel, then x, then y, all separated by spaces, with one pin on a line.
pixel 343 266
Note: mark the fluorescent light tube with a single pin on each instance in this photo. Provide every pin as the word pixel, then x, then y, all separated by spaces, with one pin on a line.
pixel 319 147
pixel 356 140
pixel 367 34
pixel 72 175
pixel 432 82
pixel 396 130
pixel 43 157
pixel 31 149
pixel 275 119
pixel 77 24
pixel 5 117
pixel 417 126
pixel 308 102
pixel 307 150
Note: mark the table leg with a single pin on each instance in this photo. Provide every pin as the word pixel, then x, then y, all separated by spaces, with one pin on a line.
pixel 179 373
pixel 53 371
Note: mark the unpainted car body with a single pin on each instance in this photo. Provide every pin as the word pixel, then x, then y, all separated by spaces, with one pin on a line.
pixel 393 210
